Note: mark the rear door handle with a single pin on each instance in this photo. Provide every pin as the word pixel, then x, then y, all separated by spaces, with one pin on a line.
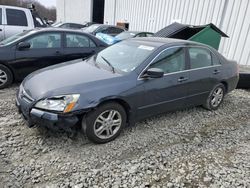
pixel 58 53
pixel 1 30
pixel 182 79
pixel 216 72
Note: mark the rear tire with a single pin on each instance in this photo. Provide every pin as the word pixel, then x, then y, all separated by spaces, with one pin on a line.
pixel 215 97
pixel 105 123
pixel 6 77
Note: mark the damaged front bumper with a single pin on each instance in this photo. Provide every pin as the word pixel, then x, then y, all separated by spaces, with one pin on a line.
pixel 51 120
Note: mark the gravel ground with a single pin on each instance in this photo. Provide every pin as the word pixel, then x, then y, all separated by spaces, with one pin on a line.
pixel 189 148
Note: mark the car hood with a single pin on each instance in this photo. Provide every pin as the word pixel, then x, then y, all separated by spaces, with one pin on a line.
pixel 65 78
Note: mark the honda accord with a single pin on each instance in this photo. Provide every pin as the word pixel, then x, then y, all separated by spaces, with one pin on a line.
pixel 124 83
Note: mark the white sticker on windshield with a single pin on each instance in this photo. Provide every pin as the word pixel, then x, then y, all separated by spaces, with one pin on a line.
pixel 146 47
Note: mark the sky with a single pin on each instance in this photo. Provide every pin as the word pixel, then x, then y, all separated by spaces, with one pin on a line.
pixel 48 3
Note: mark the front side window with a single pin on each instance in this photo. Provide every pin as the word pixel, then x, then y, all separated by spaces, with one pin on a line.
pixel 16 17
pixel 78 41
pixel 0 16
pixel 199 57
pixel 16 37
pixel 47 40
pixel 170 60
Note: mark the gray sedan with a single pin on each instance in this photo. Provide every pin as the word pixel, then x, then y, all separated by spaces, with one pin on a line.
pixel 124 83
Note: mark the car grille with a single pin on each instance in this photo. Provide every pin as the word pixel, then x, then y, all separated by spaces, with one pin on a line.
pixel 24 95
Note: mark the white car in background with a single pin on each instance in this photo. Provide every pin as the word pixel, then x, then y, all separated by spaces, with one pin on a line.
pixel 14 20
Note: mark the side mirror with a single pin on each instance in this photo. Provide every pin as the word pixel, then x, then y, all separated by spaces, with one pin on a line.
pixel 23 45
pixel 153 73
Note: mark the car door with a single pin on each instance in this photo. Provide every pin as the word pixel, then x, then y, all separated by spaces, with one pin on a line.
pixel 168 92
pixel 16 22
pixel 203 74
pixel 45 50
pixel 78 46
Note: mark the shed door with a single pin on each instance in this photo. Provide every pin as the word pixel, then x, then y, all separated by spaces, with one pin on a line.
pixel 98 11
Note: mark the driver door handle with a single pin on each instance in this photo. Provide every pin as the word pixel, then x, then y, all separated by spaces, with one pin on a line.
pixel 216 72
pixel 182 79
pixel 58 53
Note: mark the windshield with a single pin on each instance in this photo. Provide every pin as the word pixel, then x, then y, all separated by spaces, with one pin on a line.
pixel 124 56
pixel 14 38
pixel 91 28
pixel 125 35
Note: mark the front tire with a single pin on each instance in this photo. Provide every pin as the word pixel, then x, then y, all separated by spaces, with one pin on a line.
pixel 215 97
pixel 105 123
pixel 6 77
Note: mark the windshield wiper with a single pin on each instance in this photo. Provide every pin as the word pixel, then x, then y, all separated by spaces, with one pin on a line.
pixel 113 68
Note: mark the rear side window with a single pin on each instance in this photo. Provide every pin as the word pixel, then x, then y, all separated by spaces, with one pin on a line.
pixel 215 59
pixel 149 34
pixel 16 17
pixel 199 57
pixel 0 16
pixel 76 26
pixel 78 41
pixel 45 40
pixel 171 60
pixel 141 35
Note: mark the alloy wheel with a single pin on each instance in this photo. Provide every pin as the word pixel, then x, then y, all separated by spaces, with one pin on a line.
pixel 107 124
pixel 217 97
pixel 3 77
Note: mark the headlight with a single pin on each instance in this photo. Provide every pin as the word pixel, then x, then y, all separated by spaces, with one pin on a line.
pixel 63 103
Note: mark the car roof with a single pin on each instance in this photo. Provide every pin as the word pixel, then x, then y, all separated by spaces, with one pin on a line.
pixel 136 32
pixel 13 7
pixel 70 23
pixel 53 29
pixel 106 25
pixel 58 29
pixel 158 41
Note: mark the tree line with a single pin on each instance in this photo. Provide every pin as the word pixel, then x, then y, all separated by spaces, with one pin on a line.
pixel 44 12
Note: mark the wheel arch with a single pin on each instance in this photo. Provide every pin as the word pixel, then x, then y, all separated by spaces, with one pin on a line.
pixel 11 70
pixel 225 85
pixel 120 101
